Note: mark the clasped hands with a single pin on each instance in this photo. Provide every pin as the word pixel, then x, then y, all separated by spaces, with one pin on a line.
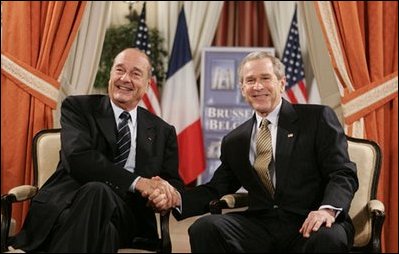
pixel 161 195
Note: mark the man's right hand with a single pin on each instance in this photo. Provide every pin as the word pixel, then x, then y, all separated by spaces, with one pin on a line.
pixel 161 195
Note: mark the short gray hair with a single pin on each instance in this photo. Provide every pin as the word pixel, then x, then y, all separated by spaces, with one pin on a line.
pixel 278 66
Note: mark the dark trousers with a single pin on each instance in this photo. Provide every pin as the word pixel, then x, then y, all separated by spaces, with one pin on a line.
pixel 248 232
pixel 98 220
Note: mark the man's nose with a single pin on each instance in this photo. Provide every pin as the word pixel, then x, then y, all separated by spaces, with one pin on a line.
pixel 258 84
pixel 125 77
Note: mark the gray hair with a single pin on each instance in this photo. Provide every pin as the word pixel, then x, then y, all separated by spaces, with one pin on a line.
pixel 149 71
pixel 278 66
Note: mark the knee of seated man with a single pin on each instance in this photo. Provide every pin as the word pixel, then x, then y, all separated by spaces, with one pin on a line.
pixel 203 225
pixel 94 186
pixel 332 239
pixel 92 189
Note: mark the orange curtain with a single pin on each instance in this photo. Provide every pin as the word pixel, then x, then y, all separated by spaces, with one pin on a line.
pixel 243 23
pixel 367 34
pixel 36 39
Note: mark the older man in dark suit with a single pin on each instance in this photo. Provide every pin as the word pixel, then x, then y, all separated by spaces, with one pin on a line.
pixel 96 200
pixel 299 192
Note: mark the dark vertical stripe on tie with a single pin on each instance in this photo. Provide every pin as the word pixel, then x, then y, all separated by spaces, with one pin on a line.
pixel 123 140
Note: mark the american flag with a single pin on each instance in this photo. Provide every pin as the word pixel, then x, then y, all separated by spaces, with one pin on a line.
pixel 150 100
pixel 295 90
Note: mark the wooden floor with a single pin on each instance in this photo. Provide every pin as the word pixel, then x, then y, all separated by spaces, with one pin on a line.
pixel 179 234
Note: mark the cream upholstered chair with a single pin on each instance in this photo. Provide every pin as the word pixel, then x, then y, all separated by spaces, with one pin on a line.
pixel 366 211
pixel 45 150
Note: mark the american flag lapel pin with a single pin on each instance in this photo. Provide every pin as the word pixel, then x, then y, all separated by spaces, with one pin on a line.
pixel 290 135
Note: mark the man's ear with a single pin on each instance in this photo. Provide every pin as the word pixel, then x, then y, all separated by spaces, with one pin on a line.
pixel 148 84
pixel 283 82
pixel 242 89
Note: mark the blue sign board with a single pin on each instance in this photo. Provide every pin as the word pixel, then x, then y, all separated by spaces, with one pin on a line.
pixel 222 106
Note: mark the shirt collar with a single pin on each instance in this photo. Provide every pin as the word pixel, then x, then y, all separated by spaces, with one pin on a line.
pixel 118 111
pixel 272 116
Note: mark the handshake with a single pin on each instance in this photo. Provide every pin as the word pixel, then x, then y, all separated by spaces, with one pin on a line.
pixel 161 195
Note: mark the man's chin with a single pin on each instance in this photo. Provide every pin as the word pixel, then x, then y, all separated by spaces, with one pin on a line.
pixel 123 97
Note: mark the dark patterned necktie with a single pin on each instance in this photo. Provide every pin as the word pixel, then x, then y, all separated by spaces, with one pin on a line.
pixel 123 139
pixel 263 157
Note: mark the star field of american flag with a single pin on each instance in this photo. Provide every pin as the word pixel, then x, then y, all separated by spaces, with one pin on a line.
pixel 141 41
pixel 295 90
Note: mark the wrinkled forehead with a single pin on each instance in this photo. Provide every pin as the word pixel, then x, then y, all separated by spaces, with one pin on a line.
pixel 132 56
pixel 258 66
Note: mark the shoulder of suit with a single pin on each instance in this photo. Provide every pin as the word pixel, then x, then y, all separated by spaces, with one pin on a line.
pixel 91 97
pixel 241 128
pixel 151 116
pixel 310 107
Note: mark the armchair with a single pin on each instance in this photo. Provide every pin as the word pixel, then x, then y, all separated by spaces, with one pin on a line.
pixel 45 151
pixel 367 213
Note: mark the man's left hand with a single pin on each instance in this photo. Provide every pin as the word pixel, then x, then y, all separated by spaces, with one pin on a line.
pixel 316 219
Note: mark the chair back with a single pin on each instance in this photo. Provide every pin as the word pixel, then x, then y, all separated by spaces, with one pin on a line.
pixel 46 154
pixel 367 156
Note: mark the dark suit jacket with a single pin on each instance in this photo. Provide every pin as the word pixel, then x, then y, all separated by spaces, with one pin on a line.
pixel 312 166
pixel 88 149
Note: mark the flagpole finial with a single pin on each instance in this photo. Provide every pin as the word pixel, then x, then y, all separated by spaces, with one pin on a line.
pixel 132 16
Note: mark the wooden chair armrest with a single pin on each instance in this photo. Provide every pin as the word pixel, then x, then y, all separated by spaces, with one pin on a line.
pixel 6 209
pixel 16 194
pixel 376 206
pixel 166 244
pixel 377 210
pixel 235 200
pixel 23 192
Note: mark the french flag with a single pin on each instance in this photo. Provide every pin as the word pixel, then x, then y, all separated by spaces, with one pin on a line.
pixel 180 105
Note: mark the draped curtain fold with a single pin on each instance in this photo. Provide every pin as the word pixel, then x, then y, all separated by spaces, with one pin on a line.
pixel 243 23
pixel 36 38
pixel 80 69
pixel 363 43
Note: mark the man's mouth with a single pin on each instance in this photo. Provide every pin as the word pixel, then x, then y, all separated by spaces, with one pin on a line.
pixel 260 95
pixel 124 88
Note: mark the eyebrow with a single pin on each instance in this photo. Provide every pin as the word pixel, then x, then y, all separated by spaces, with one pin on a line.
pixel 134 68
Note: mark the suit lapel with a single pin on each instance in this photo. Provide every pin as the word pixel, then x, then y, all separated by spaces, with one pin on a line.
pixel 106 122
pixel 287 133
pixel 244 141
pixel 146 136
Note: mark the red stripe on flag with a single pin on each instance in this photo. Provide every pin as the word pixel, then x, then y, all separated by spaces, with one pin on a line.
pixel 151 100
pixel 302 87
pixel 191 164
pixel 291 96
pixel 153 85
pixel 147 103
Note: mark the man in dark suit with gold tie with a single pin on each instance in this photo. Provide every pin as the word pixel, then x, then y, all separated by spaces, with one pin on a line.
pixel 299 195
pixel 96 200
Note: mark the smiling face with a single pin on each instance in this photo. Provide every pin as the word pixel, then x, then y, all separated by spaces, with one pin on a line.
pixel 129 78
pixel 260 86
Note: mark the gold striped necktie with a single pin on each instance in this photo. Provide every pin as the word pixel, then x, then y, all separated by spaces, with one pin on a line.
pixel 263 157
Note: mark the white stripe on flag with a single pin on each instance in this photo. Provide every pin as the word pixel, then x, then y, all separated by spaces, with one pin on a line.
pixel 180 104
pixel 150 100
